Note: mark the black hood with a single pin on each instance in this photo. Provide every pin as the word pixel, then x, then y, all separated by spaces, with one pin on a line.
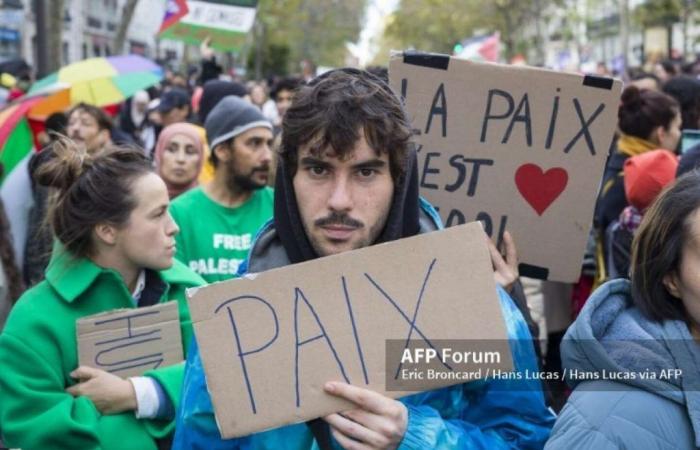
pixel 403 220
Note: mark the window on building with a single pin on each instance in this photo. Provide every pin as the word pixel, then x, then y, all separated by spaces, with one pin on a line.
pixel 94 22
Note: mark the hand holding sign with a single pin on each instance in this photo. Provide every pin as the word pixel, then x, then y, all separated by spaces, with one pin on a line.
pixel 110 393
pixel 505 271
pixel 379 422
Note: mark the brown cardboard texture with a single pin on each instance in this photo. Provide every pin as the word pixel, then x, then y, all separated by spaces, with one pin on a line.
pixel 270 341
pixel 129 342
pixel 519 148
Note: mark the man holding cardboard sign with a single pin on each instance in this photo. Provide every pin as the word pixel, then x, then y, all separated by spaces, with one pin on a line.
pixel 348 180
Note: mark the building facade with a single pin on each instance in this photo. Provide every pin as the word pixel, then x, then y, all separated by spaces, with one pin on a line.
pixel 89 29
pixel 583 33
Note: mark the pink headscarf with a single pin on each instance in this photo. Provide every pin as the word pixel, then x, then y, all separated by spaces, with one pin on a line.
pixel 168 132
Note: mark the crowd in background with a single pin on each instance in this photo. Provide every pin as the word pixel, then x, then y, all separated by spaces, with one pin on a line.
pixel 214 141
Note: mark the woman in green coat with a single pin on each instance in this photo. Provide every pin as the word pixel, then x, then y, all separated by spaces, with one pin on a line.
pixel 116 251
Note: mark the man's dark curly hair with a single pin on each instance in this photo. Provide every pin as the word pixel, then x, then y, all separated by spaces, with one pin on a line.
pixel 331 111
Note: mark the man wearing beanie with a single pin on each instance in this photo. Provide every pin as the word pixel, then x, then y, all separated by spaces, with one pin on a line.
pixel 214 91
pixel 218 220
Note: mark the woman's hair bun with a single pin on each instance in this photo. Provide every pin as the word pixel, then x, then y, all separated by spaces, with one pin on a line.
pixel 632 98
pixel 63 165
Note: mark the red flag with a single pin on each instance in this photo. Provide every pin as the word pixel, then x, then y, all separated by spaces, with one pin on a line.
pixel 174 11
pixel 480 48
pixel 491 47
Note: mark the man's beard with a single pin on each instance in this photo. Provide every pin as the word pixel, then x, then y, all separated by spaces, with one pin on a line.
pixel 237 182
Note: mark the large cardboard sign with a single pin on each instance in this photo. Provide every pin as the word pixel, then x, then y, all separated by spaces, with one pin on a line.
pixel 519 148
pixel 270 341
pixel 128 342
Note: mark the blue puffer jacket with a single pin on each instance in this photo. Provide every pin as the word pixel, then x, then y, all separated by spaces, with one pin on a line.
pixel 654 410
pixel 502 414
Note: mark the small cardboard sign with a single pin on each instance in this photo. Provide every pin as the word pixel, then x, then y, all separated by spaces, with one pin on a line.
pixel 518 148
pixel 270 341
pixel 129 342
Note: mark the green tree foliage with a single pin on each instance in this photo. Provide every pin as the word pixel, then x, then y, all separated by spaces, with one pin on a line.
pixel 432 25
pixel 309 29
pixel 665 13
pixel 659 12
pixel 509 17
pixel 275 61
pixel 437 25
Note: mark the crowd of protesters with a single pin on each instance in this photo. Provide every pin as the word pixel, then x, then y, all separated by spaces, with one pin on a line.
pixel 205 178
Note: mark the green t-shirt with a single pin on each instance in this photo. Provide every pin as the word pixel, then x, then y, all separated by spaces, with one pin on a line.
pixel 214 239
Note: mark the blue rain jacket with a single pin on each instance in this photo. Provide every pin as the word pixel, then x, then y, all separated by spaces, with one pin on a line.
pixel 484 414
pixel 657 408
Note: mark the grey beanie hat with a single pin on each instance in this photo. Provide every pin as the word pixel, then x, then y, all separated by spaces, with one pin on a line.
pixel 231 117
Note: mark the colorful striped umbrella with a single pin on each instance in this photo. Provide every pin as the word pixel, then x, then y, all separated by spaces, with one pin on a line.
pixel 96 81
pixel 15 134
pixel 101 81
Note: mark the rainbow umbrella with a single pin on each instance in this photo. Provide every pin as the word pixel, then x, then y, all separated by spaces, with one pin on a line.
pixel 99 81
pixel 96 81
pixel 15 134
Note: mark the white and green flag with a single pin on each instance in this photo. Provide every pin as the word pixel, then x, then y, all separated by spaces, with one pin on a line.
pixel 226 22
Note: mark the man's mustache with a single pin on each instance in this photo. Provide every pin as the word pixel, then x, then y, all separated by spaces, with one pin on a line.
pixel 338 219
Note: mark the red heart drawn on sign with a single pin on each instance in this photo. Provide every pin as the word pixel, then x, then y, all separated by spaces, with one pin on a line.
pixel 538 188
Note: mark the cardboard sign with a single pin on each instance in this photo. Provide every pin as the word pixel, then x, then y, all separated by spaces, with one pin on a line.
pixel 270 341
pixel 518 148
pixel 129 342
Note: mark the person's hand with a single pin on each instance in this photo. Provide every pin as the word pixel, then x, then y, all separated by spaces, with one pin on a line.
pixel 155 118
pixel 205 50
pixel 378 422
pixel 505 271
pixel 109 393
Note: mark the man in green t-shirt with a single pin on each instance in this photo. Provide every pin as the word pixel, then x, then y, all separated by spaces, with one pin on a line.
pixel 219 220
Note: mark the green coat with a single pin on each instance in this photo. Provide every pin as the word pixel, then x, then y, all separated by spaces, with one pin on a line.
pixel 38 350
